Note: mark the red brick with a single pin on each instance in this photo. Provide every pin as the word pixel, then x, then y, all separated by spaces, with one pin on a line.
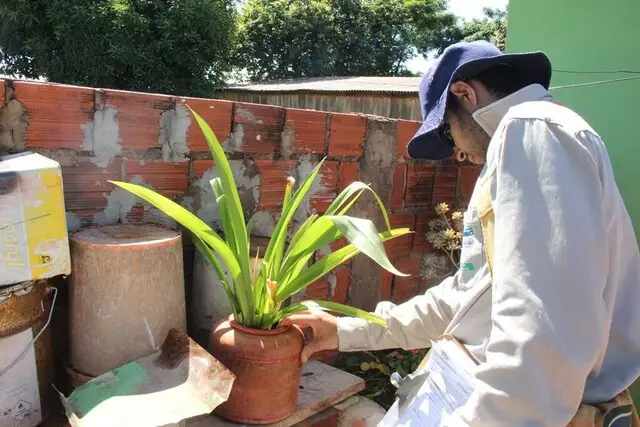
pixel 406 130
pixel 57 114
pixel 329 184
pixel 420 243
pixel 261 127
pixel 397 188
pixel 400 246
pixel 343 281
pixel 308 129
pixel 216 113
pixel 166 178
pixel 273 180
pixel 86 187
pixel 2 94
pixel 420 177
pixel 339 244
pixel 405 288
pixel 320 290
pixel 139 117
pixel 444 187
pixel 468 176
pixel 199 167
pixel 346 135
pixel 348 174
pixel 386 285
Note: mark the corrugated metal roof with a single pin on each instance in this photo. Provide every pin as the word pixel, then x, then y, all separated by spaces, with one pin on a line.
pixel 407 85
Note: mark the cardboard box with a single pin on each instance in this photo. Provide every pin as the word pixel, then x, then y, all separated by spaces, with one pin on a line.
pixel 33 229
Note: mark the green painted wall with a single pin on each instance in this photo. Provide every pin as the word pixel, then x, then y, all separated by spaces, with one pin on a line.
pixel 587 36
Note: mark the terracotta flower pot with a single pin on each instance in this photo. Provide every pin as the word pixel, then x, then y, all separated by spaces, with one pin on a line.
pixel 267 369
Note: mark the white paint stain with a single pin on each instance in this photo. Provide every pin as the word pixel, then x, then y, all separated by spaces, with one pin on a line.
pixel 174 125
pixel 73 222
pixel 207 209
pixel 120 202
pixel 188 202
pixel 333 282
pixel 102 136
pixel 235 140
pixel 263 224
pixel 303 170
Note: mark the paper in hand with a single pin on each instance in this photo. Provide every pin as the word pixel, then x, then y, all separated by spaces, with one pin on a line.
pixel 448 385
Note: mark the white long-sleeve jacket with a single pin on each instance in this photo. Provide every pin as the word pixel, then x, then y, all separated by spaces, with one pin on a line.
pixel 557 320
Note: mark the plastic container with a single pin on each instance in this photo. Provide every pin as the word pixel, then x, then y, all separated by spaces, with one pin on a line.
pixel 26 355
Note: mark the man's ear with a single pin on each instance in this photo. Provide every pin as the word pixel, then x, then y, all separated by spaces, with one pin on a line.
pixel 466 95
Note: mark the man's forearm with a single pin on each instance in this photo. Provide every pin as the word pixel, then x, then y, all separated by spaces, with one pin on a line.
pixel 410 325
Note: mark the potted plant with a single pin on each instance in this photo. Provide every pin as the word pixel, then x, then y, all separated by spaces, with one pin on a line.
pixel 264 356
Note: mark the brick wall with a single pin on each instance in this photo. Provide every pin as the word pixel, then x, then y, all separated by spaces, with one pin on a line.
pixel 97 135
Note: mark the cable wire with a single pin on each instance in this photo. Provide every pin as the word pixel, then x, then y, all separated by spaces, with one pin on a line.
pixel 595 83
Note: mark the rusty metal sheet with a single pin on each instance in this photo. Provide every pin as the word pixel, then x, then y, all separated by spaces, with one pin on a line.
pixel 179 381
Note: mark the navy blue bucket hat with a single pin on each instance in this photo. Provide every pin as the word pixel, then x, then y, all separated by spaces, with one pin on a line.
pixel 460 61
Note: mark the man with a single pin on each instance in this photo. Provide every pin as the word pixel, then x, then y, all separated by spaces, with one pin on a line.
pixel 548 301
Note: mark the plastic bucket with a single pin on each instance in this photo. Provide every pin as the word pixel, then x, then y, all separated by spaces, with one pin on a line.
pixel 26 355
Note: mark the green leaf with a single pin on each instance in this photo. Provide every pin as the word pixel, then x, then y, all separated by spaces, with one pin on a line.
pixel 235 214
pixel 212 260
pixel 320 234
pixel 196 226
pixel 327 264
pixel 362 234
pixel 280 232
pixel 216 185
pixel 349 192
pixel 300 233
pixel 330 306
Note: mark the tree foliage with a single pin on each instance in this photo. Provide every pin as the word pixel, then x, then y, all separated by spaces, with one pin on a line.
pixel 493 27
pixel 170 46
pixel 280 39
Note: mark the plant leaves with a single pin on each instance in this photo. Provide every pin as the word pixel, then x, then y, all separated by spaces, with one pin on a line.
pixel 330 306
pixel 280 232
pixel 327 264
pixel 348 192
pixel 235 215
pixel 196 226
pixel 212 260
pixel 363 235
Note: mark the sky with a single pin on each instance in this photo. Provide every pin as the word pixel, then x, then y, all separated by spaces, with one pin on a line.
pixel 465 9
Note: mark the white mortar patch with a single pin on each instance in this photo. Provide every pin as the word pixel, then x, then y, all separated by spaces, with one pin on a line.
pixel 174 125
pixel 102 136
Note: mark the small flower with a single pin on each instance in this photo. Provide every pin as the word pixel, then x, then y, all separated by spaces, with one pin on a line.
pixel 450 234
pixel 291 181
pixel 416 351
pixel 452 246
pixel 442 208
pixel 399 356
pixel 456 216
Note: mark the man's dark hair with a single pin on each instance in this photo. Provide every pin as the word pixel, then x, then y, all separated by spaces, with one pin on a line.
pixel 500 80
